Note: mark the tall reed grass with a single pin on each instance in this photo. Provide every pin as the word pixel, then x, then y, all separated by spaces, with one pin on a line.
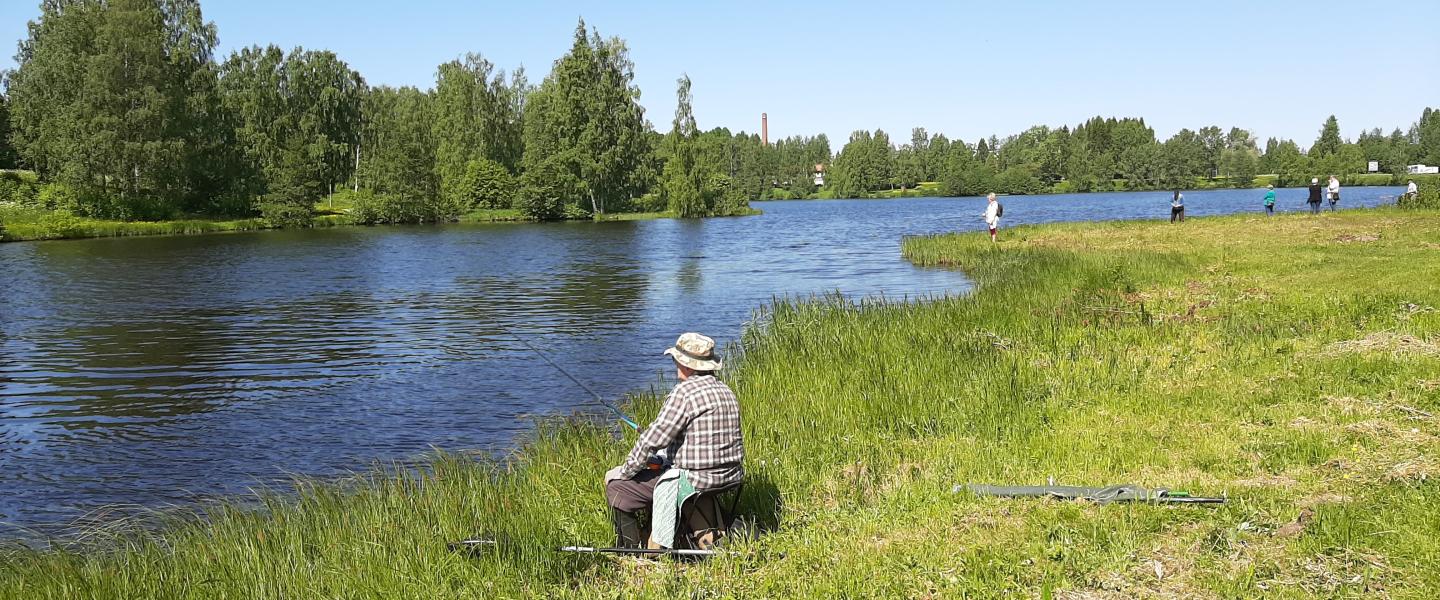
pixel 1290 363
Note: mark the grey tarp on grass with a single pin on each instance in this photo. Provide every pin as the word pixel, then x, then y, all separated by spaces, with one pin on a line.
pixel 1100 495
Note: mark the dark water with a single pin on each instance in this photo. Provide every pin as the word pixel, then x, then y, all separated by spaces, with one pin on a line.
pixel 150 371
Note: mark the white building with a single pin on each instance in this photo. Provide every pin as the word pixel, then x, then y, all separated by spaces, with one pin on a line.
pixel 1422 170
pixel 820 174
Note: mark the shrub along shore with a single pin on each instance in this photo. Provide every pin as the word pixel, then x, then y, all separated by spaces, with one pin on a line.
pixel 1291 363
pixel 19 222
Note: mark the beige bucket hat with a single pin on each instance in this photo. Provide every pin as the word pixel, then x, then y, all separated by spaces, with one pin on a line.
pixel 695 351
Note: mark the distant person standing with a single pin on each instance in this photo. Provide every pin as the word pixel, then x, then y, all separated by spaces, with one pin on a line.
pixel 1177 207
pixel 1334 192
pixel 992 214
pixel 1270 200
pixel 1314 196
pixel 1412 191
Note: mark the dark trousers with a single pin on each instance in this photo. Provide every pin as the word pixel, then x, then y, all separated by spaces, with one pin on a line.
pixel 630 495
pixel 1269 209
pixel 1177 212
pixel 1315 207
pixel 627 497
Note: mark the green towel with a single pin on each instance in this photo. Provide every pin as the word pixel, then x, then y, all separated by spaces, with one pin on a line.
pixel 671 490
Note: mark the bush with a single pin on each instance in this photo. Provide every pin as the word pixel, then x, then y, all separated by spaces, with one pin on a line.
pixel 287 214
pixel 19 187
pixel 781 194
pixel 394 209
pixel 545 191
pixel 1367 179
pixel 61 224
pixel 651 202
pixel 1018 180
pixel 487 184
pixel 56 196
pixel 1428 196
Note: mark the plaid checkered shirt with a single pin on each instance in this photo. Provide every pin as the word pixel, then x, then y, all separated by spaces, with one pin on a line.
pixel 700 425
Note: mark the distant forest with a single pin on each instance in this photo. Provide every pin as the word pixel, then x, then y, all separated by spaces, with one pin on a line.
pixel 123 111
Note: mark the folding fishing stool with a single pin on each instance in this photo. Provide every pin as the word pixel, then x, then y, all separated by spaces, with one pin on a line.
pixel 705 518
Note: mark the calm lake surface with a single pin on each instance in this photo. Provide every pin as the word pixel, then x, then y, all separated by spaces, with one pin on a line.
pixel 152 371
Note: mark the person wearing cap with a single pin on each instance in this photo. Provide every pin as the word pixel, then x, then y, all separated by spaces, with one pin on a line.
pixel 1270 200
pixel 1314 199
pixel 1412 191
pixel 698 428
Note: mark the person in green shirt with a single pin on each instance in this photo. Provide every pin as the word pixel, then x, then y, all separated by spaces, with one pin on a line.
pixel 1269 200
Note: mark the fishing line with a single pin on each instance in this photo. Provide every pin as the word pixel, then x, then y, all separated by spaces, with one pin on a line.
pixel 612 407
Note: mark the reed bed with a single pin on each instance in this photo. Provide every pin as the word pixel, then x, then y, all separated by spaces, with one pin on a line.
pixel 1284 362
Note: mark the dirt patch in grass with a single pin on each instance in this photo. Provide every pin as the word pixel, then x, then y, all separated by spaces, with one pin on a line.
pixel 1387 343
pixel 1390 432
pixel 1267 481
pixel 1330 575
pixel 1420 468
pixel 1350 405
pixel 1350 238
pixel 1321 499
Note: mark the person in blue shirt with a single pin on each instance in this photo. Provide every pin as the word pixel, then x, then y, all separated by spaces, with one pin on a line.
pixel 1269 200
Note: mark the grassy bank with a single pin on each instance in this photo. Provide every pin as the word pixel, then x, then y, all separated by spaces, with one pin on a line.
pixel 1291 363
pixel 18 223
pixel 25 224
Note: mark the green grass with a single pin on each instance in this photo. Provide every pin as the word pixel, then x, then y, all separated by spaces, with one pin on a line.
pixel 1288 362
pixel 493 215
pixel 19 223
pixel 921 190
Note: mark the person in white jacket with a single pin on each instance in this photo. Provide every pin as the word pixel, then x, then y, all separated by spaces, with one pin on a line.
pixel 992 214
pixel 1334 190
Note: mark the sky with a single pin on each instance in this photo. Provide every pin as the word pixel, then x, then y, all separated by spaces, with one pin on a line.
pixel 964 69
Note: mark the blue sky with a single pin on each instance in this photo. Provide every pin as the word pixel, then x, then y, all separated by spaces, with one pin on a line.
pixel 964 69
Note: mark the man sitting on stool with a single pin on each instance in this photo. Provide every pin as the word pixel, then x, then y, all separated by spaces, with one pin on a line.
pixel 698 426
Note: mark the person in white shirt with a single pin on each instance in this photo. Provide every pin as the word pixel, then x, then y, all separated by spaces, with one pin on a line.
pixel 1412 191
pixel 992 214
pixel 1334 191
pixel 1177 207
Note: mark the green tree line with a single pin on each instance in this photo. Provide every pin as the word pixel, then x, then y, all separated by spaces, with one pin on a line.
pixel 1117 154
pixel 124 112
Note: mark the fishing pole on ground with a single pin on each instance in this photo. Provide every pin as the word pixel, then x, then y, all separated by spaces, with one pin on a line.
pixel 478 545
pixel 1098 495
pixel 615 409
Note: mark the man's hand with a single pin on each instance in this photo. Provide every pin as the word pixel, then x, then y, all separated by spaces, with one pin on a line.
pixel 614 474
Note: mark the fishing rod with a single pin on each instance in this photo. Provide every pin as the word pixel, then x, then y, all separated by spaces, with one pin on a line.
pixel 612 407
pixel 1105 495
pixel 476 545
pixel 642 551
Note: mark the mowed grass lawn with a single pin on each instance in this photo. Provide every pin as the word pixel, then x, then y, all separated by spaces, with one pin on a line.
pixel 1292 364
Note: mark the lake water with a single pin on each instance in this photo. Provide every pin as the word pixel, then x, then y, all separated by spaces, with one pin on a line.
pixel 151 371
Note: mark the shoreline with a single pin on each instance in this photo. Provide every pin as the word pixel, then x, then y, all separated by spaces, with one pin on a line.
pixel 56 226
pixel 1260 184
pixel 1097 353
